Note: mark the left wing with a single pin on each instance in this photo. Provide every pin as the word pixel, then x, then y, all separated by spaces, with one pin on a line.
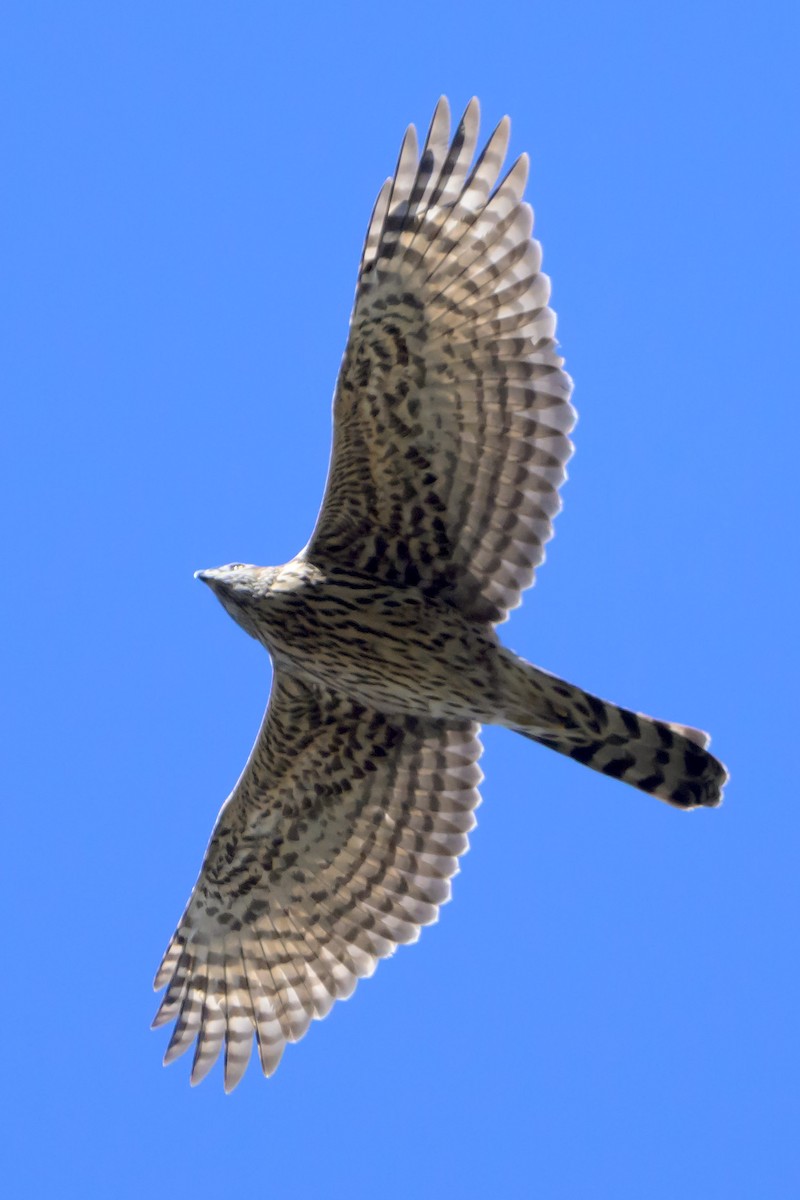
pixel 337 844
pixel 452 411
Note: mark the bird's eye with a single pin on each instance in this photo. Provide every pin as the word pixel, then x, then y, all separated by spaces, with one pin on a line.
pixel 236 566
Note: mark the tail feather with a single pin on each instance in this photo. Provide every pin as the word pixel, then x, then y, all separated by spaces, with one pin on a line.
pixel 665 759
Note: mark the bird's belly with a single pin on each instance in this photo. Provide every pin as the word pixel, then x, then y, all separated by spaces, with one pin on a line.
pixel 393 650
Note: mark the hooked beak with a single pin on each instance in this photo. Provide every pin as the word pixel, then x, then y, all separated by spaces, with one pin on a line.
pixel 205 576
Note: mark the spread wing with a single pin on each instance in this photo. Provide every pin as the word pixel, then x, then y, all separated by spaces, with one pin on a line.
pixel 336 845
pixel 451 411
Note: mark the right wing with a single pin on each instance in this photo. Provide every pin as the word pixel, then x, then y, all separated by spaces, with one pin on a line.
pixel 336 845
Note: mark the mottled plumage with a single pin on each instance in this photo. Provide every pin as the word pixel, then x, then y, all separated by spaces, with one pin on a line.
pixel 451 423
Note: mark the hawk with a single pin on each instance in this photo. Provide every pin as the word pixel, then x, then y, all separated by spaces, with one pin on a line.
pixel 451 423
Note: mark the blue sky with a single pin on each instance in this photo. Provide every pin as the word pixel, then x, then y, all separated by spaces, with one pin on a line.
pixel 608 1007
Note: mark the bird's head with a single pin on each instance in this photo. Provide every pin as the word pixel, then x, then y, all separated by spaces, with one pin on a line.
pixel 237 586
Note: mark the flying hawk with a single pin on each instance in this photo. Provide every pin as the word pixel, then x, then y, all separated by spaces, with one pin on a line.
pixel 451 424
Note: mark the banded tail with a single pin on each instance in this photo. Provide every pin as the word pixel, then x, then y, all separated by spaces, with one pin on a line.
pixel 666 760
